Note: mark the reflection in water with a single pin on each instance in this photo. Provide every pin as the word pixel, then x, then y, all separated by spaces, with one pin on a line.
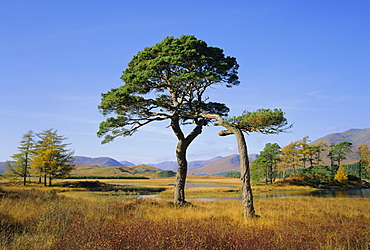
pixel 187 185
pixel 352 193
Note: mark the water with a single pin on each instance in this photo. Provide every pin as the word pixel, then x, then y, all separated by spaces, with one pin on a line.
pixel 351 193
pixel 187 185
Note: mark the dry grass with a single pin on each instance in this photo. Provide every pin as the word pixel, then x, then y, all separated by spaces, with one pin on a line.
pixel 43 219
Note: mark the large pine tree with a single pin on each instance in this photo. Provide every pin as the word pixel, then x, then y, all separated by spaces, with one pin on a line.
pixel 167 82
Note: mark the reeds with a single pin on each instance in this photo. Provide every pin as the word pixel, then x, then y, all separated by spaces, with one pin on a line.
pixel 34 219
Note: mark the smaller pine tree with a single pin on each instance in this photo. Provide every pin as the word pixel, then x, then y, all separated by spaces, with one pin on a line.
pixel 341 174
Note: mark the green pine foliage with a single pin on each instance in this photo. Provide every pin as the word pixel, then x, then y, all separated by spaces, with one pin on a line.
pixel 106 177
pixel 167 173
pixel 20 166
pixel 233 175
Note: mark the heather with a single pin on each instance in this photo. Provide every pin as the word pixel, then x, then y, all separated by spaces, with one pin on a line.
pixel 44 218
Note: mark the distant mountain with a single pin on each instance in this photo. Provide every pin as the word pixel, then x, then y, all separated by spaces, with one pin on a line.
pixel 213 166
pixel 99 161
pixel 228 163
pixel 355 136
pixel 2 167
pixel 222 164
pixel 166 165
pixel 198 164
pixel 172 165
pixel 126 163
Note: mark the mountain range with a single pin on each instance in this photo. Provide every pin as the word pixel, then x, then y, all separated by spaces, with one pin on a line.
pixel 355 136
pixel 100 161
pixel 223 164
pixel 172 165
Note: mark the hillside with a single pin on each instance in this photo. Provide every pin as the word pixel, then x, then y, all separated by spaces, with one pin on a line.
pixel 114 170
pixel 2 167
pixel 228 163
pixel 99 161
pixel 212 166
pixel 172 165
pixel 126 163
pixel 355 136
pixel 221 164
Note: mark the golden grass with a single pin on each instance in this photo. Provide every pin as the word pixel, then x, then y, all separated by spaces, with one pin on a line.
pixel 43 219
pixel 39 217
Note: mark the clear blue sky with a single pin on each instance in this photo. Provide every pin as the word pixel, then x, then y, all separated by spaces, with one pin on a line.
pixel 309 58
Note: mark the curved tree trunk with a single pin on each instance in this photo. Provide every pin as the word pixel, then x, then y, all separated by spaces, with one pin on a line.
pixel 247 195
pixel 181 149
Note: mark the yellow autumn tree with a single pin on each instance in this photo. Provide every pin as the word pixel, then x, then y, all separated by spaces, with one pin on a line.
pixel 364 163
pixel 364 153
pixel 341 174
pixel 304 150
pixel 290 158
pixel 51 158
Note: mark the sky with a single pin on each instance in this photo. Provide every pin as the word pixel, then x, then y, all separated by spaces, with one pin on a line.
pixel 309 58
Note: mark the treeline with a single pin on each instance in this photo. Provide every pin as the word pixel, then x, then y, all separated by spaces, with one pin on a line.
pixel 233 175
pixel 106 177
pixel 301 157
pixel 41 154
pixel 166 173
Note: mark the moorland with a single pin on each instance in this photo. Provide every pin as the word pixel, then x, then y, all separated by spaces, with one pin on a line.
pixel 92 214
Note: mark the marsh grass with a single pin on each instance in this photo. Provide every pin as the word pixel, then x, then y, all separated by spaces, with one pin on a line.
pixel 49 219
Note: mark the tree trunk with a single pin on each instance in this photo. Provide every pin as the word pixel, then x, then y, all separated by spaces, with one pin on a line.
pixel 270 174
pixel 45 180
pixel 181 149
pixel 179 191
pixel 25 171
pixel 274 174
pixel 247 196
pixel 266 176
pixel 359 169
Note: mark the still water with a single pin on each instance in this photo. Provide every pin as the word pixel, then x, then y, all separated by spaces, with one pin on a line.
pixel 352 193
pixel 187 185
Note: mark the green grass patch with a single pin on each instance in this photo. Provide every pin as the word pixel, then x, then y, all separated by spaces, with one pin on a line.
pixel 107 177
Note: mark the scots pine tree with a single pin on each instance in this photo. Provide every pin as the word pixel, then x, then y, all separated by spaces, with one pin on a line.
pixel 264 121
pixel 168 82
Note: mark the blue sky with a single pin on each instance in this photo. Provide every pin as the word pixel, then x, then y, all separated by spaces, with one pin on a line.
pixel 309 58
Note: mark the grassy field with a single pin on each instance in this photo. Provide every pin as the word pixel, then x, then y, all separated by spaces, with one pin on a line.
pixel 67 217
